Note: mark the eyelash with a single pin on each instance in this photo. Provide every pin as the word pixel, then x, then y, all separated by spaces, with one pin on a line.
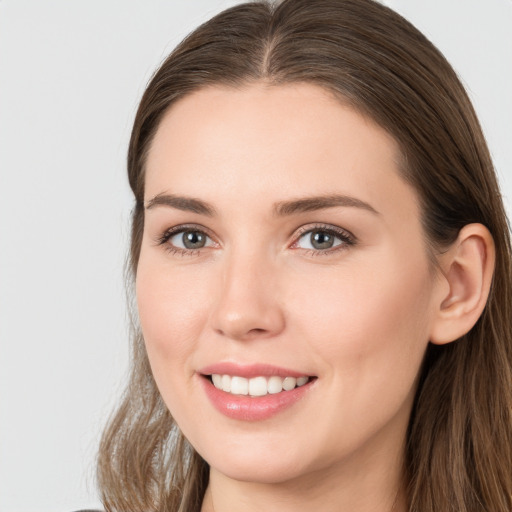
pixel 347 239
pixel 172 249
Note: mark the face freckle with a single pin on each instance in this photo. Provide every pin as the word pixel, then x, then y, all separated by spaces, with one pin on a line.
pixel 355 316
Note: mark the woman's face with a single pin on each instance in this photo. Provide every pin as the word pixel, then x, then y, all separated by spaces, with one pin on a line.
pixel 281 246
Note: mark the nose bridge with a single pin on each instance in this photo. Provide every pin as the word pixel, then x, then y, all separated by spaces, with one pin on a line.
pixel 247 304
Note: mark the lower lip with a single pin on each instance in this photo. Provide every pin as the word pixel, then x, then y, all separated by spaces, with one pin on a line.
pixel 247 408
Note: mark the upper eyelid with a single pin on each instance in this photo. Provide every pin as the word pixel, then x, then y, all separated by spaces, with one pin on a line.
pixel 168 233
pixel 187 227
pixel 323 227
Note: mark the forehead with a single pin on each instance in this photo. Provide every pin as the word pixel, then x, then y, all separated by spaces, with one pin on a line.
pixel 272 141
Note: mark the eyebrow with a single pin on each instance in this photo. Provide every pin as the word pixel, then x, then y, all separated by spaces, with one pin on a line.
pixel 309 204
pixel 280 209
pixel 187 204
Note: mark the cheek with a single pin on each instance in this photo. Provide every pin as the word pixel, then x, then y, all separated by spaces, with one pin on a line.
pixel 171 306
pixel 371 324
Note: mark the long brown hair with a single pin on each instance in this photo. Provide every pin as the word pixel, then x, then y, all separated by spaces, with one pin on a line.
pixel 459 455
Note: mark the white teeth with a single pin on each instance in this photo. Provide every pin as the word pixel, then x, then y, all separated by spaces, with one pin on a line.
pixel 257 386
pixel 226 383
pixel 239 385
pixel 217 380
pixel 275 385
pixel 301 381
pixel 289 383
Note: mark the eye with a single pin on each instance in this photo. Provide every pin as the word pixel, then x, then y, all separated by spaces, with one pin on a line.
pixel 185 240
pixel 189 240
pixel 323 239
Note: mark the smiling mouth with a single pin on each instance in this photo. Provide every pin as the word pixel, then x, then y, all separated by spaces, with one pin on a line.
pixel 256 386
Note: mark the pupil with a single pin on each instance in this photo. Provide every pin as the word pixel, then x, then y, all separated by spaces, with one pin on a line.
pixel 321 240
pixel 193 240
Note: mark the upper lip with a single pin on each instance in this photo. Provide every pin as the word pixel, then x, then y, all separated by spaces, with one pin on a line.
pixel 250 370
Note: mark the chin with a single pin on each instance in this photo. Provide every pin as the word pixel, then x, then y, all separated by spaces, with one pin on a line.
pixel 262 472
pixel 259 464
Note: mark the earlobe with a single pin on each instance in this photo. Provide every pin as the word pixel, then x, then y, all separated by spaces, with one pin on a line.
pixel 467 269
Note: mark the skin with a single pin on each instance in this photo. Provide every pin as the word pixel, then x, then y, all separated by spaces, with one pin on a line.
pixel 358 316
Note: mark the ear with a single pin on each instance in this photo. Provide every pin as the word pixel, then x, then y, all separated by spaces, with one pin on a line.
pixel 467 269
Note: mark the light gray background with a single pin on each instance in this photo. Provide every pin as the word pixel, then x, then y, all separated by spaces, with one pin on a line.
pixel 71 73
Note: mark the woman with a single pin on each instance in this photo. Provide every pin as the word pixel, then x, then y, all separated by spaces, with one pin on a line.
pixel 316 229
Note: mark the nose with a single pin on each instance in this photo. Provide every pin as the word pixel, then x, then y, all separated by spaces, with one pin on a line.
pixel 247 305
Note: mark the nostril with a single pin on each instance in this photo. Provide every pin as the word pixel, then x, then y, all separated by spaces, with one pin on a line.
pixel 257 331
